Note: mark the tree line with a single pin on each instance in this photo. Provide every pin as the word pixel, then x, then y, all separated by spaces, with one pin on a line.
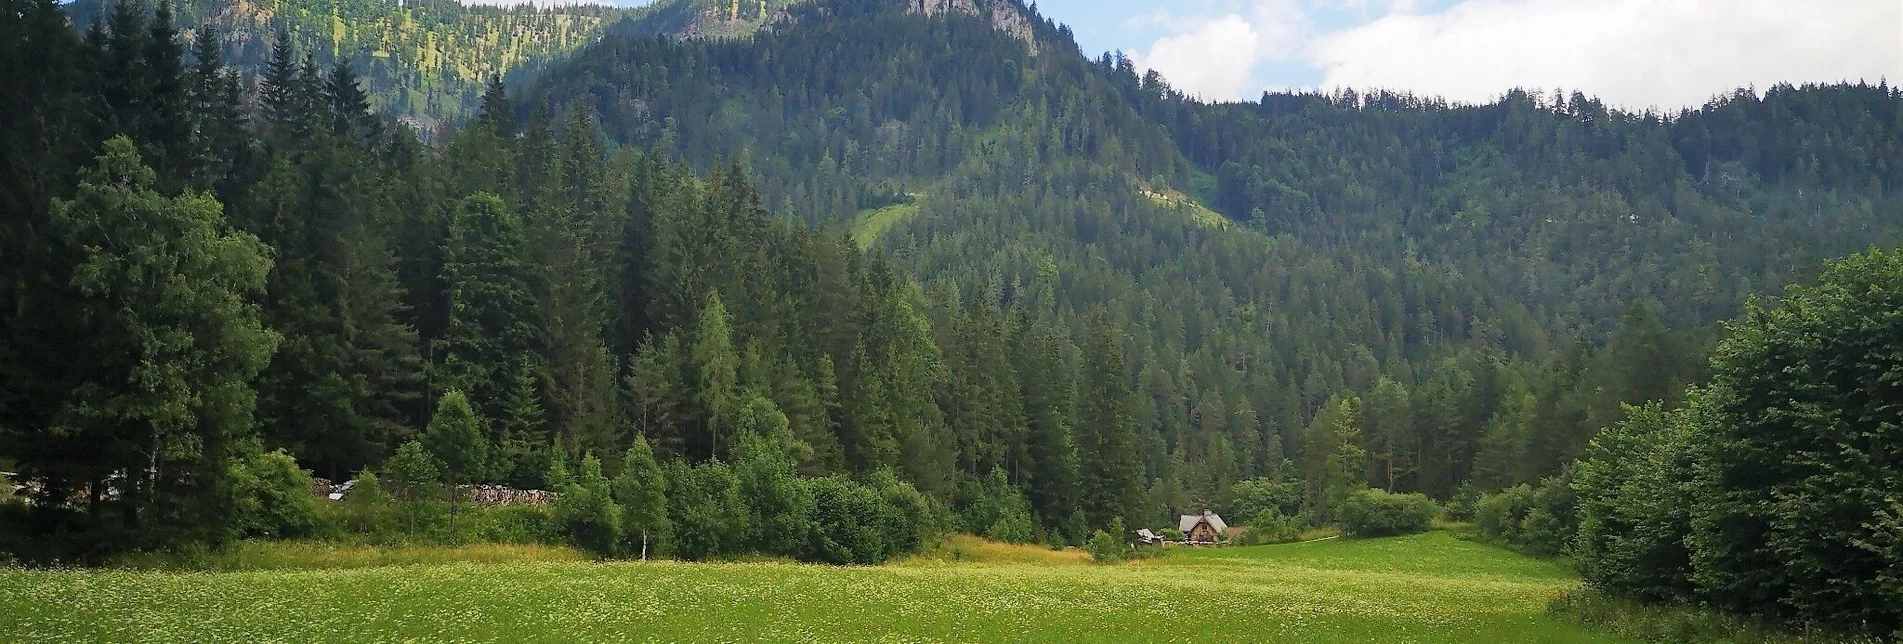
pixel 228 271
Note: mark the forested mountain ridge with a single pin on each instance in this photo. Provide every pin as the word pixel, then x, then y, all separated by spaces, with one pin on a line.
pixel 1494 261
pixel 424 60
pixel 703 18
pixel 1052 333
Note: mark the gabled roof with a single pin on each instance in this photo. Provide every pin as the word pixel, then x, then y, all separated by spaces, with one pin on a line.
pixel 1189 521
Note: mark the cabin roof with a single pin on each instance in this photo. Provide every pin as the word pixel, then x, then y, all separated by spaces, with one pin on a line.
pixel 1189 521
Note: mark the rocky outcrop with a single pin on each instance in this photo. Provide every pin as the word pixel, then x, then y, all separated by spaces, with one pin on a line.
pixel 1005 16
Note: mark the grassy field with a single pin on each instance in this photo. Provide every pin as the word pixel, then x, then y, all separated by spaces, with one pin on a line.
pixel 1426 588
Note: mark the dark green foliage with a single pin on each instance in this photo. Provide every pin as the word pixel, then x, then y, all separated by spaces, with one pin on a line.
pixel 1271 526
pixel 710 517
pixel 155 300
pixel 1537 519
pixel 848 522
pixel 272 497
pixel 1251 498
pixel 1377 513
pixel 1632 515
pixel 1108 547
pixel 455 440
pixel 1107 443
pixel 586 513
pixel 781 506
pixel 1797 453
pixel 1794 518
pixel 488 342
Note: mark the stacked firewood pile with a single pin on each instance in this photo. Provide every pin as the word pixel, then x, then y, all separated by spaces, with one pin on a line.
pixel 493 495
pixel 487 495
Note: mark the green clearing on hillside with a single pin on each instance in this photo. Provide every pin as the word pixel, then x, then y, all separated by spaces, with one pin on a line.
pixel 873 223
pixel 1427 588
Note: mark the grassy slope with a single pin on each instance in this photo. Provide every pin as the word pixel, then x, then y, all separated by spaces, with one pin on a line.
pixel 873 223
pixel 1424 588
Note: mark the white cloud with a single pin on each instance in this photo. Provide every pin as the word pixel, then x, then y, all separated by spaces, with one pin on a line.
pixel 1215 58
pixel 1636 53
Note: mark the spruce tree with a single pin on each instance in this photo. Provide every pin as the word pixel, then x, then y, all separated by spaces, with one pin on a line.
pixel 1108 450
pixel 490 332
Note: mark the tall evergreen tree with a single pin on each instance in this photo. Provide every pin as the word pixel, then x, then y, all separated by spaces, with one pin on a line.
pixel 1108 448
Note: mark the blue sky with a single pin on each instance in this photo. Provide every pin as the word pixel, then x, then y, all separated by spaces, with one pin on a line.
pixel 1633 53
pixel 1136 25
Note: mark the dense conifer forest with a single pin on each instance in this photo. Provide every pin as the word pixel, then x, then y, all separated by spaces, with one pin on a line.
pixel 883 270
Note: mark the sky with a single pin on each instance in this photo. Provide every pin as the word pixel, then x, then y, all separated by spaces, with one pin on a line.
pixel 1636 54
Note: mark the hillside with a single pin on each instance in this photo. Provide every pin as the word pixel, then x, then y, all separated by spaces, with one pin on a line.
pixel 709 18
pixel 1493 261
pixel 424 60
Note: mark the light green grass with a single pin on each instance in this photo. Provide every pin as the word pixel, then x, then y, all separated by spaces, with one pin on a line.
pixel 313 555
pixel 1430 588
pixel 1198 213
pixel 873 223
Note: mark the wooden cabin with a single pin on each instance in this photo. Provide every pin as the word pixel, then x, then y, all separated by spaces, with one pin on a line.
pixel 1205 528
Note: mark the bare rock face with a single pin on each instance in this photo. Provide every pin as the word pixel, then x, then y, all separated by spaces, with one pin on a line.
pixel 1005 16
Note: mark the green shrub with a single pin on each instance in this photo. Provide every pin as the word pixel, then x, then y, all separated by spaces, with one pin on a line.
pixel 912 520
pixel 848 521
pixel 271 497
pixel 1171 534
pixel 1540 520
pixel 1374 513
pixel 586 515
pixel 704 504
pixel 1271 526
pixel 1463 505
pixel 1108 547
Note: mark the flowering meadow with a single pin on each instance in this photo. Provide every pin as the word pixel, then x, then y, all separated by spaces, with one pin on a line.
pixel 1422 588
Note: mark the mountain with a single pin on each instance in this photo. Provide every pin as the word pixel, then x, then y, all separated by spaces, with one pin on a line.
pixel 710 18
pixel 422 60
pixel 1054 245
pixel 1265 258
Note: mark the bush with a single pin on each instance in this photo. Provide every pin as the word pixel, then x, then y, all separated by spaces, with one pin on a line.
pixel 912 520
pixel 1537 520
pixel 704 504
pixel 1463 505
pixel 585 513
pixel 271 497
pixel 1249 498
pixel 848 518
pixel 1171 534
pixel 1106 547
pixel 1374 513
pixel 1271 526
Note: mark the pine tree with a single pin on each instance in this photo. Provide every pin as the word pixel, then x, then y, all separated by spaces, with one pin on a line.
pixel 216 118
pixel 278 89
pixel 167 124
pixel 348 108
pixel 490 334
pixel 1107 445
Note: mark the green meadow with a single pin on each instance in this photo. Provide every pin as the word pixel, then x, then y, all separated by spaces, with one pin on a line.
pixel 1423 588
